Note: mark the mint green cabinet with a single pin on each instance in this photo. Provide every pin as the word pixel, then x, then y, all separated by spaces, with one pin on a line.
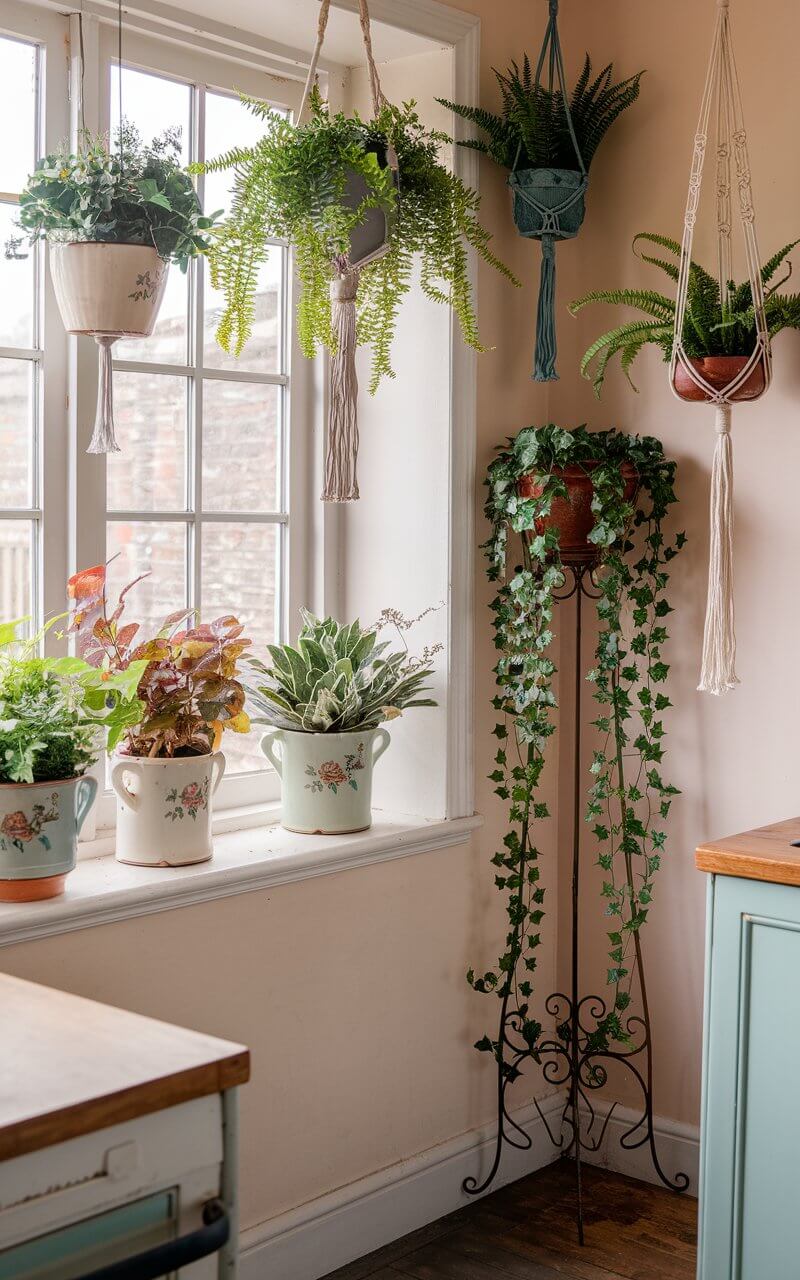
pixel 750 1146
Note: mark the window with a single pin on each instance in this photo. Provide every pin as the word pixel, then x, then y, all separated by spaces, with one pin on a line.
pixel 20 339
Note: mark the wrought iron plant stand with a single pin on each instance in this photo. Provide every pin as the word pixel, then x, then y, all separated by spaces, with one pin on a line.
pixel 575 1056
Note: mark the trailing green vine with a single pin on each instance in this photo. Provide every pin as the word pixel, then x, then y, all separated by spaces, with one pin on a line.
pixel 628 797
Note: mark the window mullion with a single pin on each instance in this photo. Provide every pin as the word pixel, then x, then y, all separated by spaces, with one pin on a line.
pixel 196 356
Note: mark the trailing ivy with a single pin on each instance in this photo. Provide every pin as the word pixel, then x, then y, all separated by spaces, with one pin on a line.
pixel 628 797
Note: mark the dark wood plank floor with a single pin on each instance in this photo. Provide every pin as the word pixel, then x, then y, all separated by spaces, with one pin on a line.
pixel 526 1230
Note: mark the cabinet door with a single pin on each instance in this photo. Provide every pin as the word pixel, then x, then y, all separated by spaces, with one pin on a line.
pixel 750 1208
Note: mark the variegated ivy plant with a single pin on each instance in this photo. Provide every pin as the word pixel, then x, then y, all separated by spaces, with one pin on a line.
pixel 339 679
pixel 628 798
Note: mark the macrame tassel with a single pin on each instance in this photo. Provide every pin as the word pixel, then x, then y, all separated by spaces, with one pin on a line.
pixel 544 360
pixel 718 673
pixel 342 450
pixel 103 438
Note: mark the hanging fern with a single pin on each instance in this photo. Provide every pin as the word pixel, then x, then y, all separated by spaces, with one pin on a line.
pixel 291 186
pixel 718 323
pixel 533 131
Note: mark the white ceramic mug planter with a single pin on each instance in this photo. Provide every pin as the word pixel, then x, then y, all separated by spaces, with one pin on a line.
pixel 39 826
pixel 326 778
pixel 164 808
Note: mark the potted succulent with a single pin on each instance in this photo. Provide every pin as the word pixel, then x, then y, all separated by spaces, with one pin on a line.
pixel 547 141
pixel 114 218
pixel 297 183
pixel 326 700
pixel 168 764
pixel 719 332
pixel 52 715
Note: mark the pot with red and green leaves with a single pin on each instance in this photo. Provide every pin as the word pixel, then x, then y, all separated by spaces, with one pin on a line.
pixel 325 702
pixel 168 764
pixel 53 713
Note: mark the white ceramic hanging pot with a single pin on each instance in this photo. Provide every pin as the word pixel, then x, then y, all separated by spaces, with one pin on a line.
pixel 39 826
pixel 107 291
pixel 326 778
pixel 164 808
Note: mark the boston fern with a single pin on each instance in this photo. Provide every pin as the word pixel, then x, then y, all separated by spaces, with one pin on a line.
pixel 533 133
pixel 628 798
pixel 718 322
pixel 291 186
pixel 130 193
pixel 339 679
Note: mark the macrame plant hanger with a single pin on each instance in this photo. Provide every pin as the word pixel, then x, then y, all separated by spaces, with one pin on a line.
pixel 341 455
pixel 549 203
pixel 722 94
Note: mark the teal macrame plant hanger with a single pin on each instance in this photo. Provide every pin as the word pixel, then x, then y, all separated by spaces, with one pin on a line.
pixel 549 204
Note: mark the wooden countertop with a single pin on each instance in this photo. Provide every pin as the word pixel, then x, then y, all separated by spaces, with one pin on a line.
pixel 764 854
pixel 70 1066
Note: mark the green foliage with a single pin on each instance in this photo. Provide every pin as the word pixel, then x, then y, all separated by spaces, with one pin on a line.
pixel 291 186
pixel 718 322
pixel 627 798
pixel 129 194
pixel 187 680
pixel 53 711
pixel 339 679
pixel 533 131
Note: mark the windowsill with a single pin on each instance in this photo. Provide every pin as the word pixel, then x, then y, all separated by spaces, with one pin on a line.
pixel 102 890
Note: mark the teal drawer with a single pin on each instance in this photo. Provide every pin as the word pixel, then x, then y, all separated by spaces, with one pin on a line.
pixel 750 1224
pixel 84 1246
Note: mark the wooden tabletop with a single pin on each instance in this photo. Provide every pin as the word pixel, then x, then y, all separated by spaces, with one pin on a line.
pixel 69 1066
pixel 767 853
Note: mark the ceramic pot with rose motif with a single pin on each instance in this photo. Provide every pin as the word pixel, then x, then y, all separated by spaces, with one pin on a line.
pixel 326 778
pixel 39 826
pixel 164 808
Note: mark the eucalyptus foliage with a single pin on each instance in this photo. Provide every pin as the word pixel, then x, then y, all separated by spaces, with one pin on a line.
pixel 533 132
pixel 339 679
pixel 719 322
pixel 130 193
pixel 291 186
pixel 628 797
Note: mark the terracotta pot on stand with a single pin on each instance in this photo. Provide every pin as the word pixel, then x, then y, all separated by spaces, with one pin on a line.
pixel 107 291
pixel 573 516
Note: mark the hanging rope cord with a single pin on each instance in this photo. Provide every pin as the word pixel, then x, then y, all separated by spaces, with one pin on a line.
pixel 376 92
pixel 718 667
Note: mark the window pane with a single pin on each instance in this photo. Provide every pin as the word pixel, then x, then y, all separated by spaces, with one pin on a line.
pixel 141 547
pixel 229 123
pixel 16 281
pixel 16 538
pixel 16 431
pixel 152 104
pixel 240 446
pixel 18 110
pixel 263 352
pixel 239 567
pixel 169 342
pixel 150 472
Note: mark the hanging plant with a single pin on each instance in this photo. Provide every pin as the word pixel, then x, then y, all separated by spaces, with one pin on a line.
pixel 719 326
pixel 547 139
pixel 534 487
pixel 317 184
pixel 114 218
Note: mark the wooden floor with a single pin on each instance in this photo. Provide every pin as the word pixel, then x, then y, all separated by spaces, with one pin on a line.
pixel 633 1232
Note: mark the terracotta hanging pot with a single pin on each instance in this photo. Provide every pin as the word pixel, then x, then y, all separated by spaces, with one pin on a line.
pixel 107 291
pixel 573 516
pixel 719 372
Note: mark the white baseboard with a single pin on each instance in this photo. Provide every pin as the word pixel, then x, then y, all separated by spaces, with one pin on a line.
pixel 320 1236
pixel 677 1145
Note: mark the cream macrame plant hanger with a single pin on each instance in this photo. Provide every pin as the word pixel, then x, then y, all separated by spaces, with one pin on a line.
pixel 341 455
pixel 722 93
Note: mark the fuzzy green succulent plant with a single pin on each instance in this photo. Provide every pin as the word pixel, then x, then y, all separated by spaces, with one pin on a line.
pixel 339 679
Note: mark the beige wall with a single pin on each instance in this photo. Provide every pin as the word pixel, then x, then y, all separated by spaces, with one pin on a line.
pixel 350 988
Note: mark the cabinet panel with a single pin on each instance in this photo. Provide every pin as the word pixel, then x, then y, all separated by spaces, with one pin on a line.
pixel 750 1224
